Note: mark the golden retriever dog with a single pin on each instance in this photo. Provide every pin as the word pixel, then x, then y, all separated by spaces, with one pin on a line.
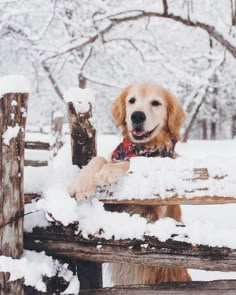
pixel 150 118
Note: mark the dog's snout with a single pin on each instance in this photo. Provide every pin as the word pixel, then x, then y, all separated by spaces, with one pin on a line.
pixel 138 117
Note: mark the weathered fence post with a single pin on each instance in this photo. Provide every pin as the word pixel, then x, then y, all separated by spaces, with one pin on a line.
pixel 83 136
pixel 83 146
pixel 13 107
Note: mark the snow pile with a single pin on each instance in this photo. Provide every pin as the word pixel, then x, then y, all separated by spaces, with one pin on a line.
pixel 165 178
pixel 94 220
pixel 73 287
pixel 33 266
pixel 10 133
pixel 14 84
pixel 53 182
pixel 81 98
pixel 34 216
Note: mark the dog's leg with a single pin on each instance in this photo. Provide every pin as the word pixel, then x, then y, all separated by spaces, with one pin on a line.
pixel 84 184
pixel 111 172
pixel 174 211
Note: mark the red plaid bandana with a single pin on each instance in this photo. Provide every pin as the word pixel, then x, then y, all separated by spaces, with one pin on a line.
pixel 127 150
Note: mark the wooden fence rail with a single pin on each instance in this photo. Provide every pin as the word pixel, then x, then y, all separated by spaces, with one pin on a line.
pixel 11 182
pixel 63 242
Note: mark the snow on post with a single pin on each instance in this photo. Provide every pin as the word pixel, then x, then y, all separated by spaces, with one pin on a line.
pixel 13 109
pixel 83 134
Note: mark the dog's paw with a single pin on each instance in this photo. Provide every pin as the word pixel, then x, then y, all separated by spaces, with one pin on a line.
pixel 108 174
pixel 82 187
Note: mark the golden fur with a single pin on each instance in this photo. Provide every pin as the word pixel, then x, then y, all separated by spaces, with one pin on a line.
pixel 168 117
pixel 142 274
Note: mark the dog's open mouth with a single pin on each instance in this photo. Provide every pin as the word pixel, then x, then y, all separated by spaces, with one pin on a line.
pixel 139 133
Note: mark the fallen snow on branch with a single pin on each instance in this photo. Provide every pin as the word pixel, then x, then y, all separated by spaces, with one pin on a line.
pixel 10 133
pixel 81 98
pixel 14 84
pixel 33 266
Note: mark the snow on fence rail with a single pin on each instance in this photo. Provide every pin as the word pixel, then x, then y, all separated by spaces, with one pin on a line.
pixel 89 244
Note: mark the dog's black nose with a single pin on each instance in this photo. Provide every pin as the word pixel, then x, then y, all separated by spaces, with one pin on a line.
pixel 138 117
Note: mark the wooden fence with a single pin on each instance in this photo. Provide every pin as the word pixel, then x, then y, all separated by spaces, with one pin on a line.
pixel 83 254
pixel 52 148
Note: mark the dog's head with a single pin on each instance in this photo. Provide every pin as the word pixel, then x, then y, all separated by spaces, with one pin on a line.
pixel 146 112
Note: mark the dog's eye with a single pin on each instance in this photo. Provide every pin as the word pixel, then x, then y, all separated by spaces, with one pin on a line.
pixel 155 103
pixel 132 100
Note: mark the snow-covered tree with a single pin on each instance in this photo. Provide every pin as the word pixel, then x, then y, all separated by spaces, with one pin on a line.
pixel 188 46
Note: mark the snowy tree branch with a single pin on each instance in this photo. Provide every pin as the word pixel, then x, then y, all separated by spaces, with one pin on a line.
pixel 53 82
pixel 135 15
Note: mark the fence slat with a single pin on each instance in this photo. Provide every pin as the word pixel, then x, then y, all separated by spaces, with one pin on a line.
pixel 175 288
pixel 35 163
pixel 63 242
pixel 37 145
pixel 11 181
pixel 206 200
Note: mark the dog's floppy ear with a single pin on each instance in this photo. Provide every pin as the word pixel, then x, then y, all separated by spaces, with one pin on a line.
pixel 176 115
pixel 118 107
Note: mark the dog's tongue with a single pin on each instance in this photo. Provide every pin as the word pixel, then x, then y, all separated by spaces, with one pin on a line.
pixel 138 132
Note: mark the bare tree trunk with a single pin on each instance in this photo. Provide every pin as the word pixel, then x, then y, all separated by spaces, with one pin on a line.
pixel 11 183
pixel 193 118
pixel 233 12
pixel 234 126
pixel 82 81
pixel 204 129
pixel 57 125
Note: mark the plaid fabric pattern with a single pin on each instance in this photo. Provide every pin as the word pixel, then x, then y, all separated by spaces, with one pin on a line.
pixel 126 150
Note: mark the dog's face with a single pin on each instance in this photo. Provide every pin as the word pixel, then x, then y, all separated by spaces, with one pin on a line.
pixel 145 111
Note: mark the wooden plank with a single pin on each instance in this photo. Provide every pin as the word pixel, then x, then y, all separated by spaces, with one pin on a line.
pixel 217 287
pixel 31 197
pixel 62 242
pixel 202 200
pixel 37 145
pixel 197 196
pixel 105 195
pixel 11 183
pixel 35 163
pixel 206 200
pixel 174 288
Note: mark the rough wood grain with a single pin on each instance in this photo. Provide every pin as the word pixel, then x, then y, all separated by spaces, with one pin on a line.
pixel 35 163
pixel 62 242
pixel 180 200
pixel 89 274
pixel 218 287
pixel 175 288
pixel 83 136
pixel 11 182
pixel 31 197
pixel 37 145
